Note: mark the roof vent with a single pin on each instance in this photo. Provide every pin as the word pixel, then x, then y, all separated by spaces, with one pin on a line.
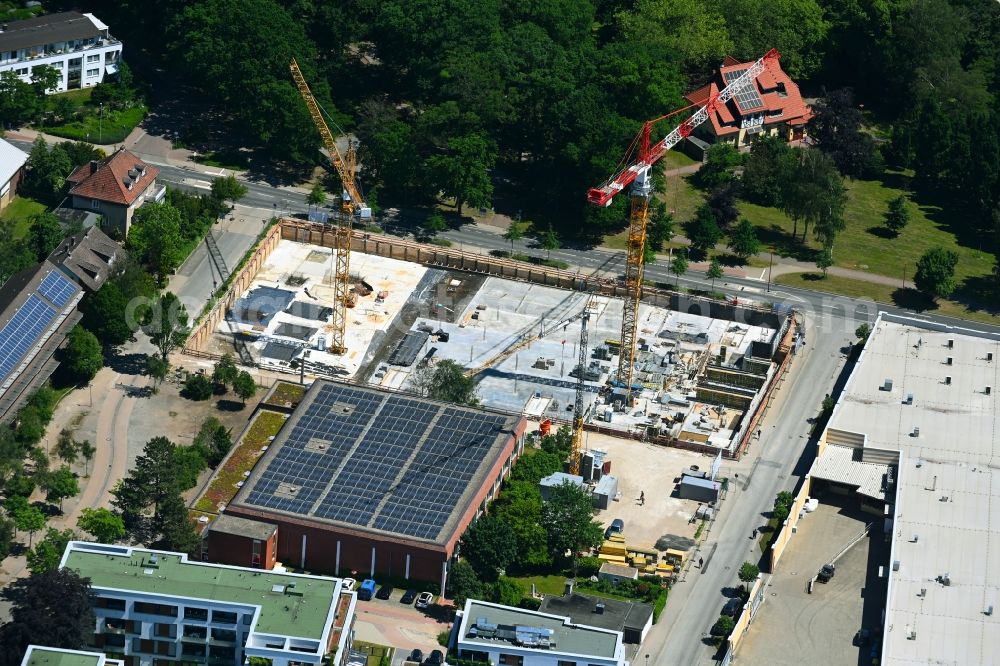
pixel 951 343
pixel 911 635
pixel 895 565
pixel 945 579
pixel 909 399
pixel 989 356
pixel 916 538
pixel 949 360
pixel 988 610
pixel 886 385
pixel 916 431
pixel 922 593
pixel 147 572
pixel 947 381
pixel 989 389
pixel 277 589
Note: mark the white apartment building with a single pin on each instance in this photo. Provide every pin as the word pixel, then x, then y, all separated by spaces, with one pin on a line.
pixel 155 608
pixel 507 636
pixel 77 45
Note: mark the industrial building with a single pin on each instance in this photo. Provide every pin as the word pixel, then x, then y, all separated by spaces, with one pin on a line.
pixel 497 634
pixel 375 482
pixel 913 438
pixel 242 542
pixel 155 607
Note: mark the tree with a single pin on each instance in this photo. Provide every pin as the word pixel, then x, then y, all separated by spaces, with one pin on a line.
pixel 691 30
pixel 897 216
pixel 146 488
pixel 514 233
pixel 743 240
pixel 489 546
pixel 723 626
pixel 45 78
pixel 784 498
pixel 155 237
pixel 814 193
pixel 520 506
pixel 837 130
pixel 703 231
pixel 198 387
pixel 44 234
pixel 52 608
pixel 6 536
pixel 87 450
pixel 714 271
pixel 779 513
pixel 508 591
pixel 82 356
pixel 18 101
pixel 47 553
pixel 212 441
pixel 748 573
pixel 935 275
pixel 434 223
pixel 679 266
pixel 102 524
pixel 60 484
pixel 447 381
pixel 225 371
pixel 47 171
pixel 770 163
pixel 660 228
pixel 175 528
pixel 862 332
pixel 104 315
pixel 66 447
pixel 29 519
pixel 245 386
pixel 824 259
pixel 317 195
pixel 721 200
pixel 549 241
pixel 463 583
pixel 157 368
pixel 463 172
pixel 568 519
pixel 720 161
pixel 165 322
pixel 228 188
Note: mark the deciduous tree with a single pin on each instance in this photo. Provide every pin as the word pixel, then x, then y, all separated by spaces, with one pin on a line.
pixel 748 573
pixel 227 188
pixel 245 386
pixel 568 519
pixel 447 381
pixel 703 231
pixel 714 271
pixel 52 608
pixel 679 266
pixel 30 519
pixel 47 553
pixel 464 171
pixel 82 357
pixel 743 240
pixel 225 371
pixel 514 233
pixel 490 547
pixel 155 237
pixel 44 234
pixel 166 323
pixel 60 484
pixel 104 315
pixel 824 259
pixel 935 275
pixel 102 524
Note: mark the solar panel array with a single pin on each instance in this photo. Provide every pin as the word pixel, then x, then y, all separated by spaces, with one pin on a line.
pixel 369 473
pixel 746 98
pixel 22 332
pixel 57 289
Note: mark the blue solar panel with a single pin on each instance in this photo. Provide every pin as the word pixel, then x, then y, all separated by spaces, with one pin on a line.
pixel 57 289
pixel 22 332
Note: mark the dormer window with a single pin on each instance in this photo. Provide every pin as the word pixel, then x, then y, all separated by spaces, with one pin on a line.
pixel 141 169
pixel 128 184
pixel 133 174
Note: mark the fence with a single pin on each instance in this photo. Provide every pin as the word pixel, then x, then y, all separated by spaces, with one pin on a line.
pixel 756 598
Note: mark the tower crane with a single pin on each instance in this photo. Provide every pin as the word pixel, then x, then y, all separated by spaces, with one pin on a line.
pixel 638 174
pixel 352 203
pixel 576 447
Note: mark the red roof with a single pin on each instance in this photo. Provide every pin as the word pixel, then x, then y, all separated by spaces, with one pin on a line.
pixel 120 178
pixel 793 110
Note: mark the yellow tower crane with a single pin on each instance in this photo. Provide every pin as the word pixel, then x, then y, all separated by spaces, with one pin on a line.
pixel 352 204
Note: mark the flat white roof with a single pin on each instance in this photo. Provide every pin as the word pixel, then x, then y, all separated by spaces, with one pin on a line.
pixel 946 531
pixel 840 464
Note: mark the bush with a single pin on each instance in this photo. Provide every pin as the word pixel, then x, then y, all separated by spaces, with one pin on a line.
pixel 443 638
pixel 198 387
pixel 588 566
pixel 659 605
pixel 530 603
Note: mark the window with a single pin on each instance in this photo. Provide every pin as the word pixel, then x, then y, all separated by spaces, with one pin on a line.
pixel 93 58
pixel 566 663
pixel 111 603
pixel 511 660
pixel 191 613
pixel 192 631
pixel 23 71
pixel 155 609
pixel 93 72
pixel 227 635
pixel 223 617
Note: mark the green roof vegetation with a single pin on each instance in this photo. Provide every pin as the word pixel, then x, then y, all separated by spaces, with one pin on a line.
pixel 300 611
pixel 41 656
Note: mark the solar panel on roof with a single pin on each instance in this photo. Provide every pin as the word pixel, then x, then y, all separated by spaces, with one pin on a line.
pixel 57 289
pixel 22 332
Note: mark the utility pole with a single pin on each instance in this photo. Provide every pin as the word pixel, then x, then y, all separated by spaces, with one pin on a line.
pixel 769 267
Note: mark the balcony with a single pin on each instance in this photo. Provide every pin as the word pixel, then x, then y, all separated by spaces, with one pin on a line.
pixel 52 51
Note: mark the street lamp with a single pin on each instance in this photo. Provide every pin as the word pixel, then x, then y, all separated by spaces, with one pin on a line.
pixel 100 125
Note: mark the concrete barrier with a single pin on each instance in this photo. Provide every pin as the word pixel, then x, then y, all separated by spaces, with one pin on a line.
pixel 788 527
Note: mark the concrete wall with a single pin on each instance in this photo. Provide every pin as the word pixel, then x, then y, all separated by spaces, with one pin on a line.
pixel 788 527
pixel 237 550
pixel 8 190
pixel 747 614
pixel 238 284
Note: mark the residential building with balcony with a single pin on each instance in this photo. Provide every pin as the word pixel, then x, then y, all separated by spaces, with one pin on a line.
pixel 154 607
pixel 506 636
pixel 39 655
pixel 115 187
pixel 78 45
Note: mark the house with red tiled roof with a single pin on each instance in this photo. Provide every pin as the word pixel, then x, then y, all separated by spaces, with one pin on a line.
pixel 772 106
pixel 115 187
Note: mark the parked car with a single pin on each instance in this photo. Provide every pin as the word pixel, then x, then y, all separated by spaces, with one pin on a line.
pixel 435 659
pixel 367 590
pixel 416 656
pixel 384 592
pixel 826 572
pixel 408 597
pixel 733 607
pixel 349 584
pixel 617 526
pixel 424 599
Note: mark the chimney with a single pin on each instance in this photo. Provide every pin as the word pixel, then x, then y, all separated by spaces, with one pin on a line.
pixel 93 166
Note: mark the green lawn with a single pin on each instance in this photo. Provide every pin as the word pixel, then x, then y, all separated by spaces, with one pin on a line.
pixel 674 159
pixel 114 127
pixel 80 97
pixel 16 215
pixel 555 584
pixel 907 298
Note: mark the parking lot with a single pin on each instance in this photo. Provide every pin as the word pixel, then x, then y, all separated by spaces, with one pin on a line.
pixel 795 627
pixel 404 627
